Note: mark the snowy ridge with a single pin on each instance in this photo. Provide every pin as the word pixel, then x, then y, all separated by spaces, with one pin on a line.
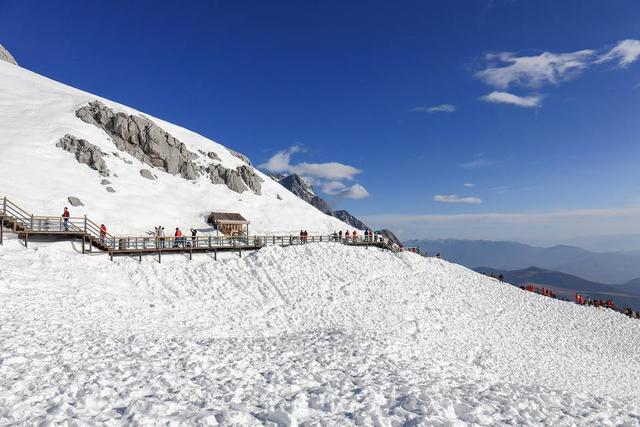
pixel 317 333
pixel 36 112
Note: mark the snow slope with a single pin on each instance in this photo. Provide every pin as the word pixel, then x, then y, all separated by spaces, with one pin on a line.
pixel 320 334
pixel 36 112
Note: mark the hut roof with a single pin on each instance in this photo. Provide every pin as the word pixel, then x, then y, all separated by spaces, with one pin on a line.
pixel 226 217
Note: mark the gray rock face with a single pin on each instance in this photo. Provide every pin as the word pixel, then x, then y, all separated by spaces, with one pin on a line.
pixel 345 216
pixel 146 173
pixel 6 56
pixel 143 139
pixel 147 142
pixel 218 174
pixel 389 235
pixel 74 201
pixel 213 156
pixel 249 176
pixel 85 152
pixel 110 190
pixel 303 189
pixel 105 182
pixel 240 156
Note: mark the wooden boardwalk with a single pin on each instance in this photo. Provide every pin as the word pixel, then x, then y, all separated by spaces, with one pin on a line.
pixel 26 225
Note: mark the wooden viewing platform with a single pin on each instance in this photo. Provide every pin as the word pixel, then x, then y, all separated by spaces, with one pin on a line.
pixel 25 224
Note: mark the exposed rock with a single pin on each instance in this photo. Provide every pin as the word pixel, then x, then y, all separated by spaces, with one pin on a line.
pixel 213 156
pixel 142 139
pixel 85 152
pixel 389 235
pixel 345 216
pixel 240 156
pixel 146 173
pixel 74 201
pixel 105 182
pixel 249 176
pixel 6 56
pixel 279 197
pixel 110 190
pixel 303 189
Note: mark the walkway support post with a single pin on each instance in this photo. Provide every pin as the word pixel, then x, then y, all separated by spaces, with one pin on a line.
pixel 26 239
pixel 215 254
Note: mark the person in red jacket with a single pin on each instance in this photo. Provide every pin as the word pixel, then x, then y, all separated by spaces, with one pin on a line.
pixel 65 219
pixel 103 232
pixel 178 238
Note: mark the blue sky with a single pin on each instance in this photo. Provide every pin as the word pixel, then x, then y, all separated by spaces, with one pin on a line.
pixel 394 96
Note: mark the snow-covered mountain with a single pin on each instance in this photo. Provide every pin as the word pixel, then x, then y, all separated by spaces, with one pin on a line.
pixel 320 334
pixel 129 170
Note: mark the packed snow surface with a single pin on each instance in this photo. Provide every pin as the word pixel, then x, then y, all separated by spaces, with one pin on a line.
pixel 320 334
pixel 35 112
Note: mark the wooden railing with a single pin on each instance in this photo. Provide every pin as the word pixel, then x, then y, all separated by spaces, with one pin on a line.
pixel 89 230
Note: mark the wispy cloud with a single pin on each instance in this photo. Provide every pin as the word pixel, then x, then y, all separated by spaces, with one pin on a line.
pixel 625 53
pixel 504 70
pixel 497 97
pixel 454 198
pixel 442 108
pixel 507 68
pixel 336 188
pixel 281 163
pixel 469 185
pixel 479 161
pixel 329 175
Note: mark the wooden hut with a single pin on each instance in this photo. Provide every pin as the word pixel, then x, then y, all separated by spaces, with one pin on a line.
pixel 229 223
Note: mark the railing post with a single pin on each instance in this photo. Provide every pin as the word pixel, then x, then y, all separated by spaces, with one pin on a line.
pixel 85 224
pixel 4 205
pixel 1 230
pixel 31 221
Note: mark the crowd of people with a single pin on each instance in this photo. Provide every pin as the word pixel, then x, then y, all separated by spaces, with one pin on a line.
pixel 540 291
pixel 353 236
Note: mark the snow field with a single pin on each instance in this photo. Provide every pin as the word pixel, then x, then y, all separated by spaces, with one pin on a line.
pixel 321 334
pixel 35 112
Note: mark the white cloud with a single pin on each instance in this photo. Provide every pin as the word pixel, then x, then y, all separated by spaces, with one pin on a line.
pixel 625 52
pixel 442 108
pixel 453 198
pixel 533 71
pixel 333 187
pixel 328 175
pixel 355 191
pixel 338 189
pixel 469 185
pixel 498 97
pixel 478 162
pixel 281 163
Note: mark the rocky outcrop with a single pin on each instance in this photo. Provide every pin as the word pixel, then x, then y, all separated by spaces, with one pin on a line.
pixel 218 174
pixel 6 56
pixel 74 201
pixel 110 190
pixel 147 142
pixel 240 156
pixel 143 139
pixel 345 216
pixel 303 189
pixel 249 176
pixel 85 153
pixel 146 173
pixel 389 235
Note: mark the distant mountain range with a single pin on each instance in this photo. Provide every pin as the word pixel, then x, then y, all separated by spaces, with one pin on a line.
pixel 615 268
pixel 567 285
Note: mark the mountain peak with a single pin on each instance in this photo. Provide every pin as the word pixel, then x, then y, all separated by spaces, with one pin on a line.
pixel 6 56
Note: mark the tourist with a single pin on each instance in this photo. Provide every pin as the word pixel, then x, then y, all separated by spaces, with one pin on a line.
pixel 194 238
pixel 103 232
pixel 65 219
